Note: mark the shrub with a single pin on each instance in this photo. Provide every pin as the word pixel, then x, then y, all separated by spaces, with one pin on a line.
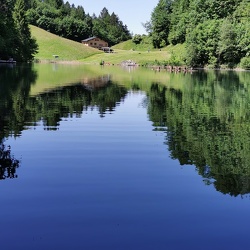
pixel 245 62
pixel 137 39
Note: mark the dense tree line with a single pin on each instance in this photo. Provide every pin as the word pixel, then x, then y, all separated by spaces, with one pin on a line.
pixel 74 23
pixel 215 32
pixel 56 17
pixel 15 37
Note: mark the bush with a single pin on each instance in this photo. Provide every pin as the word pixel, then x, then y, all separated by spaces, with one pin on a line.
pixel 245 63
pixel 137 39
pixel 174 60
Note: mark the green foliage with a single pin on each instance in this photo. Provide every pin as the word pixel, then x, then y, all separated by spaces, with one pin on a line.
pixel 72 22
pixel 242 30
pixel 137 39
pixel 242 12
pixel 216 32
pixel 15 37
pixel 26 46
pixel 148 26
pixel 78 13
pixel 202 43
pixel 228 44
pixel 177 33
pixel 178 19
pixel 7 27
pixel 245 63
pixel 55 3
pixel 174 60
pixel 110 28
pixel 160 20
pixel 70 28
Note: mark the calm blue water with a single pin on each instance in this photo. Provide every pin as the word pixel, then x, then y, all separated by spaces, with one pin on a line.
pixel 108 181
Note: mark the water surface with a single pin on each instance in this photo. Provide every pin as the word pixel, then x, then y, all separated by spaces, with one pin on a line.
pixel 110 158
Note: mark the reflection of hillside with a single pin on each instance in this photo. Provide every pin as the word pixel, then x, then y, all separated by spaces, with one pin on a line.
pixel 94 83
pixel 208 126
pixel 18 108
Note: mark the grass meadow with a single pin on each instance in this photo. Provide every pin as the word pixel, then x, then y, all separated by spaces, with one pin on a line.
pixel 70 51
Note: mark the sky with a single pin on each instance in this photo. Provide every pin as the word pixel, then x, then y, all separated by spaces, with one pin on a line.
pixel 131 12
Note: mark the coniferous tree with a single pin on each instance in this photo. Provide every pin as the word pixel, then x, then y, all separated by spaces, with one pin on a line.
pixel 7 34
pixel 26 45
pixel 110 28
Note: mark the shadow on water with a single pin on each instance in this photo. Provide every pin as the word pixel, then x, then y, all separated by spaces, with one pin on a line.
pixel 207 124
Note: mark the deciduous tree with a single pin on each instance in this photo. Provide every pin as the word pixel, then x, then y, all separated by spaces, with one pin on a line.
pixel 160 19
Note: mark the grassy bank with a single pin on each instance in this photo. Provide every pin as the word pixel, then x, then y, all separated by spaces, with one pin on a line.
pixel 140 57
pixel 67 50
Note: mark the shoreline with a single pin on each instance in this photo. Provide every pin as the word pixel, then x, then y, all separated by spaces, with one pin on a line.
pixel 156 67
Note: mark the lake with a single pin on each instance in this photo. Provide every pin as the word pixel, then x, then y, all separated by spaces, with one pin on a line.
pixel 119 158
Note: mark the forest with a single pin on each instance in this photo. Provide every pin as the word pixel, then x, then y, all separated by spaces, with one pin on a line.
pixel 15 37
pixel 57 17
pixel 215 33
pixel 72 22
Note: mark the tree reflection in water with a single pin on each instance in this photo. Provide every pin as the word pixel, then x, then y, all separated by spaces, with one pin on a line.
pixel 206 121
pixel 18 109
pixel 8 164
pixel 207 125
pixel 15 85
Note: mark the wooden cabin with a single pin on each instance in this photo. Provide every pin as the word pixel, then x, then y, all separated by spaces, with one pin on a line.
pixel 95 42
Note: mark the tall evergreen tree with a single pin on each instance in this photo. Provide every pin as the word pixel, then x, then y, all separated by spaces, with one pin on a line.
pixel 7 34
pixel 110 28
pixel 26 45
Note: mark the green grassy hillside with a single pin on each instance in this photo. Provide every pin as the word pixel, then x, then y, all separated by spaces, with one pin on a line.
pixel 145 45
pixel 142 57
pixel 67 50
pixel 50 44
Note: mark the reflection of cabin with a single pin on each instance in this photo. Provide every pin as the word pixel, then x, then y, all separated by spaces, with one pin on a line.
pixel 95 42
pixel 95 83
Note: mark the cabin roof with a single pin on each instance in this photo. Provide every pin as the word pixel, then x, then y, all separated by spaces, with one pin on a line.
pixel 88 39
